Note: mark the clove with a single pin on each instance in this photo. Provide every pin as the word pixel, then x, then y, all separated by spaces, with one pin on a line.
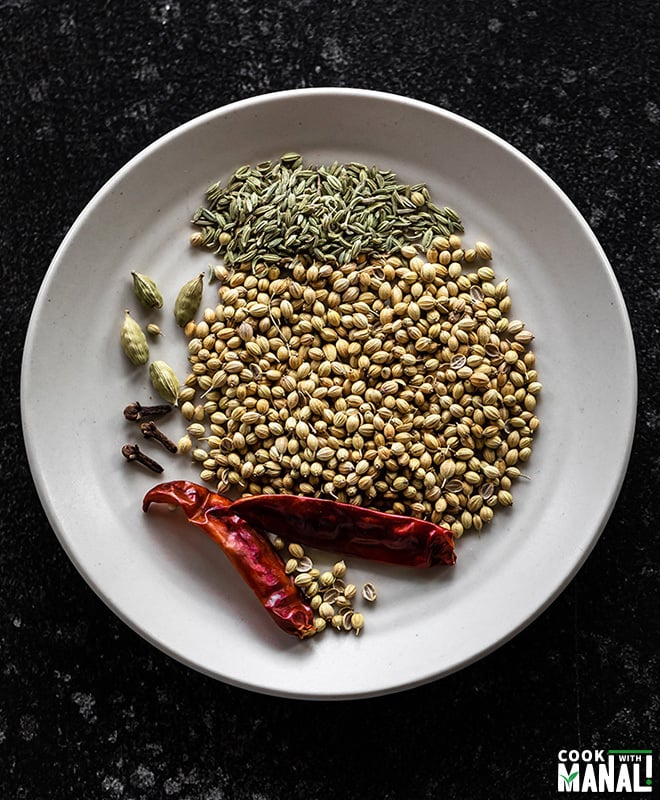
pixel 150 431
pixel 132 452
pixel 136 412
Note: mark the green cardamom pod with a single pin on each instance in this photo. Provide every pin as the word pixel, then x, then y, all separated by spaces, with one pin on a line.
pixel 164 381
pixel 133 341
pixel 146 291
pixel 189 300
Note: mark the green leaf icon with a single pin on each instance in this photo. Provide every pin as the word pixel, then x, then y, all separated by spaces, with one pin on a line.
pixel 570 778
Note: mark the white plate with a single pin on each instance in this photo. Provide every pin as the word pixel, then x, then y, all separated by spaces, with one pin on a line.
pixel 170 583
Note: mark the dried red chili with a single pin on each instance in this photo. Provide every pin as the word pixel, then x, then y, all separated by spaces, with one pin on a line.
pixel 250 553
pixel 349 529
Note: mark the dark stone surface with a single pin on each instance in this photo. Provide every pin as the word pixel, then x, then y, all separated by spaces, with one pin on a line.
pixel 88 709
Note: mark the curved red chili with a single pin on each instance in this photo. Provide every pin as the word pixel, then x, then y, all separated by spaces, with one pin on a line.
pixel 346 528
pixel 250 553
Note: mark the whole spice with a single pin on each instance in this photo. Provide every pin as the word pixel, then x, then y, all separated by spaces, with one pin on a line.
pixel 164 381
pixel 287 210
pixel 184 445
pixel 150 431
pixel 357 622
pixel 133 341
pixel 341 527
pixel 146 291
pixel 132 452
pixel 398 382
pixel 188 300
pixel 135 412
pixel 153 329
pixel 250 553
pixel 349 529
pixel 321 588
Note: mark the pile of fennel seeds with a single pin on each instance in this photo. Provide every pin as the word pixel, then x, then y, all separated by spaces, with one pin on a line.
pixel 396 380
pixel 278 211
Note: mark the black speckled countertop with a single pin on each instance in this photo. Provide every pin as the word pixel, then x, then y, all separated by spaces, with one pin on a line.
pixel 90 710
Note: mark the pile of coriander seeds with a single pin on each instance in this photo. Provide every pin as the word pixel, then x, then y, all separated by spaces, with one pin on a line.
pixel 329 595
pixel 399 382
